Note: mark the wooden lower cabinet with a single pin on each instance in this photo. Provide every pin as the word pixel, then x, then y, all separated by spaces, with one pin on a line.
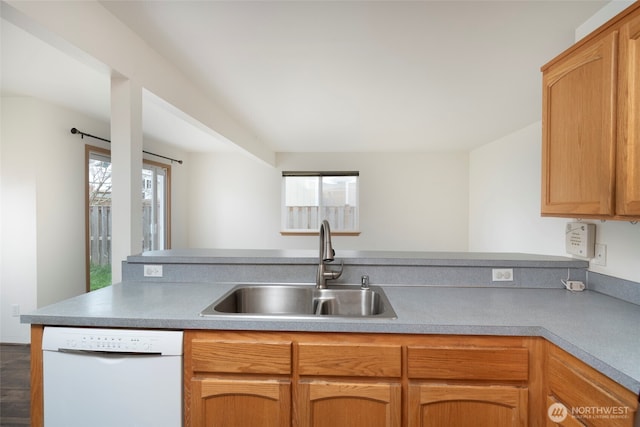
pixel 240 403
pixel 349 404
pixel 587 397
pixel 306 379
pixel 349 381
pixel 443 405
pixel 237 379
pixel 474 382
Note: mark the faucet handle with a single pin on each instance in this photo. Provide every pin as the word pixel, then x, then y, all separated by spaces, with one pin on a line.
pixel 334 274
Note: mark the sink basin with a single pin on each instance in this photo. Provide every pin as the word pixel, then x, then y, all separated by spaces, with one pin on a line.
pixel 302 301
pixel 266 300
pixel 349 302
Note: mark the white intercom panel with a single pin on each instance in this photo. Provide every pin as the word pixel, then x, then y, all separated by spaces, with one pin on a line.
pixel 580 239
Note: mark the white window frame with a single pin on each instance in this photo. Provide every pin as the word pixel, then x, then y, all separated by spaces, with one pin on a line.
pixel 337 218
pixel 160 227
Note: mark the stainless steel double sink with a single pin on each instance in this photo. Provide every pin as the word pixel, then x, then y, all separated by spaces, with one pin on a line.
pixel 305 301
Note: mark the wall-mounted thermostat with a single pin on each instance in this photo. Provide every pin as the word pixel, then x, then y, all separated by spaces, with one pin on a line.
pixel 580 239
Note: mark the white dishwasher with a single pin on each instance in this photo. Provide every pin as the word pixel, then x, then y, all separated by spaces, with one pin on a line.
pixel 112 377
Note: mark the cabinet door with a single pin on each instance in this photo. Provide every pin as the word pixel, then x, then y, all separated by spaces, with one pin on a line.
pixel 595 400
pixel 240 403
pixel 578 132
pixel 628 175
pixel 443 405
pixel 349 404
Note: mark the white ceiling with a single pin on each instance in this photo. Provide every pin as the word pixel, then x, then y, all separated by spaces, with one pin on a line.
pixel 31 67
pixel 332 76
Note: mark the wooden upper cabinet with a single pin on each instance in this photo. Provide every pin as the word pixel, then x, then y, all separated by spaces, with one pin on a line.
pixel 628 160
pixel 590 125
pixel 579 131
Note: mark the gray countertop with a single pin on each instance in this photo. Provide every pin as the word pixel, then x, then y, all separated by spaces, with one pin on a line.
pixel 352 257
pixel 602 331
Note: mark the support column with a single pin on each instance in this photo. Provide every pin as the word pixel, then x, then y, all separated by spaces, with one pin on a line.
pixel 126 178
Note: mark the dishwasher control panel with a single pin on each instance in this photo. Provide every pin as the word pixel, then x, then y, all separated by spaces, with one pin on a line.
pixel 112 340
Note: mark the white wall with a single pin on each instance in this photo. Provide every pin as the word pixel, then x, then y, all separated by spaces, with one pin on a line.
pixel 610 10
pixel 504 207
pixel 504 202
pixel 409 201
pixel 18 278
pixel 233 202
pixel 43 206
pixel 623 249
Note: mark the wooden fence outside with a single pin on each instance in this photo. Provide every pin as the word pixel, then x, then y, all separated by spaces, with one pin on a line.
pixel 306 217
pixel 100 233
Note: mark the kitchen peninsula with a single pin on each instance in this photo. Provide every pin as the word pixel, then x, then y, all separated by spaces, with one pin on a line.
pixel 529 333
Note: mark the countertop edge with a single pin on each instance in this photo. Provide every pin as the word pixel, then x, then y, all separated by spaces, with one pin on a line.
pixel 355 257
pixel 334 326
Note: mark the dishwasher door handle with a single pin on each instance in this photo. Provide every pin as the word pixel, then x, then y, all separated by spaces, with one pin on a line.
pixel 102 353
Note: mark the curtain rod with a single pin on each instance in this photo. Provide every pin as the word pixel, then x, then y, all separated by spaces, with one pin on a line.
pixel 83 134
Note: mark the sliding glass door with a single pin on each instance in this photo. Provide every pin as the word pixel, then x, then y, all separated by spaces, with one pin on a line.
pixel 156 184
pixel 98 218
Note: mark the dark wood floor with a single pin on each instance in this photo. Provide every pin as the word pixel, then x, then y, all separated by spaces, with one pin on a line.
pixel 14 385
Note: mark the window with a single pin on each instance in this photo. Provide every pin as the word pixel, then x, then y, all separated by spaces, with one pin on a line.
pixel 98 227
pixel 155 234
pixel 310 197
pixel 155 213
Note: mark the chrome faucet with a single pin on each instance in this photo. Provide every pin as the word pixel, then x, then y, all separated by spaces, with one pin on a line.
pixel 326 255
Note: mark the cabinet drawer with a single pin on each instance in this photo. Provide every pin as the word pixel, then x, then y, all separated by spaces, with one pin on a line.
pixel 241 357
pixel 363 360
pixel 508 364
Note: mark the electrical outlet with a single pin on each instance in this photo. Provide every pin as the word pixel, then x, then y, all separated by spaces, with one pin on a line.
pixel 153 270
pixel 600 257
pixel 502 274
pixel 15 310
